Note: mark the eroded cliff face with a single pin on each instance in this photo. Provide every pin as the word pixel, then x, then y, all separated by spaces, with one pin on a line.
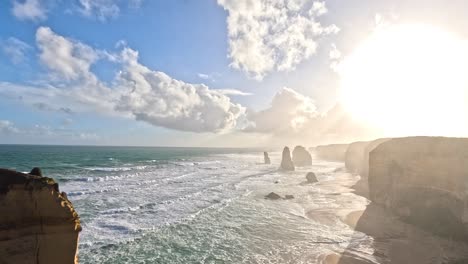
pixel 354 156
pixel 334 152
pixel 424 180
pixel 38 224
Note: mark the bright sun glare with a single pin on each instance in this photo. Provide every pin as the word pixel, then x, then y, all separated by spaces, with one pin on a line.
pixel 408 80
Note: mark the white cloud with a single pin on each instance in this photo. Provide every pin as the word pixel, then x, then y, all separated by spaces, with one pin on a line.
pixel 158 99
pixel 29 10
pixel 67 59
pixel 233 92
pixel 292 117
pixel 289 111
pixel 102 9
pixel 15 49
pixel 7 127
pixel 42 131
pixel 268 35
pixel 205 76
pixel 137 91
pixel 335 56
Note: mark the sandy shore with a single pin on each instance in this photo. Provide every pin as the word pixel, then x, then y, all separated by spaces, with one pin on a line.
pixel 397 242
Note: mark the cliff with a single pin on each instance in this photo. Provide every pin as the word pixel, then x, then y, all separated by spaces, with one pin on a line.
pixel 424 180
pixel 354 156
pixel 334 152
pixel 301 157
pixel 38 224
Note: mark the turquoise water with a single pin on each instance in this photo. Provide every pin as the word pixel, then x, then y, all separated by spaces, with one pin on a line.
pixel 196 205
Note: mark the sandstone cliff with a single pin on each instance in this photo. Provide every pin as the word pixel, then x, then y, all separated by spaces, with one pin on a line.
pixel 424 180
pixel 355 155
pixel 334 152
pixel 38 223
pixel 286 162
pixel 301 157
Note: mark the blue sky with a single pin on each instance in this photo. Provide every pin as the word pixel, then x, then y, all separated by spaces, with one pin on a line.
pixel 180 45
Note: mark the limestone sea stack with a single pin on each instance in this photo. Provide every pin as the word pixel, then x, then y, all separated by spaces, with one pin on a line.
pixel 38 224
pixel 333 152
pixel 424 180
pixel 286 162
pixel 266 158
pixel 301 157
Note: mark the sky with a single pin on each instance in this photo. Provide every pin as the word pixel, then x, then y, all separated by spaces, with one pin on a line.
pixel 225 73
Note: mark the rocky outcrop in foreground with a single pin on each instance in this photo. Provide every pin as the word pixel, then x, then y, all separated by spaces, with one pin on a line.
pixel 286 162
pixel 301 157
pixel 38 224
pixel 424 180
pixel 266 158
pixel 334 152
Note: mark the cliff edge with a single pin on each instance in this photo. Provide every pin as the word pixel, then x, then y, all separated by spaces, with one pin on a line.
pixel 38 224
pixel 424 180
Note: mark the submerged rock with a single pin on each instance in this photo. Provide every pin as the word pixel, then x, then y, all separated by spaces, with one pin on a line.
pixel 288 197
pixel 286 161
pixel 301 157
pixel 266 158
pixel 273 196
pixel 311 178
pixel 38 224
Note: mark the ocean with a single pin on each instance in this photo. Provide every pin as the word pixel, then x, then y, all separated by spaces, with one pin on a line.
pixel 198 205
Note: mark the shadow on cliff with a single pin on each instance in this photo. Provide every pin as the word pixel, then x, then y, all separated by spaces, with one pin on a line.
pixel 397 242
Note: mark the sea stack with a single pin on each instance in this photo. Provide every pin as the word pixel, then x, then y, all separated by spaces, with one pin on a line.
pixel 38 224
pixel 424 181
pixel 301 157
pixel 266 158
pixel 286 162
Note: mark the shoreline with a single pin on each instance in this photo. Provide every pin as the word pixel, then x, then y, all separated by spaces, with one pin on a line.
pixel 395 241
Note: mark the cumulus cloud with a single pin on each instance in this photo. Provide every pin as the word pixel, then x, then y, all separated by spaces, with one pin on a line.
pixel 289 111
pixel 15 49
pixel 67 59
pixel 158 99
pixel 29 10
pixel 292 117
pixel 268 35
pixel 136 92
pixel 102 9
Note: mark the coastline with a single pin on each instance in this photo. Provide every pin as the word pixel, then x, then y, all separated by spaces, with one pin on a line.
pixel 395 241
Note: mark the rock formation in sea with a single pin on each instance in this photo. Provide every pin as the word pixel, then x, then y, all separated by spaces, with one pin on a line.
pixel 286 162
pixel 301 157
pixel 311 178
pixel 273 196
pixel 38 224
pixel 424 181
pixel 333 152
pixel 266 158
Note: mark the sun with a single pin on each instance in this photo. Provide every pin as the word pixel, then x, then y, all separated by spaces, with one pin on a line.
pixel 408 80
